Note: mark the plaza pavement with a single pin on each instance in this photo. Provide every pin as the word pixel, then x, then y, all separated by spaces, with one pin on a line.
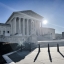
pixel 43 57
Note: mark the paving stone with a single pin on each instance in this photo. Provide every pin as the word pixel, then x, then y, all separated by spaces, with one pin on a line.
pixel 43 57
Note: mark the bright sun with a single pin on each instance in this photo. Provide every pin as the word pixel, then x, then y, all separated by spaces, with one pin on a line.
pixel 45 22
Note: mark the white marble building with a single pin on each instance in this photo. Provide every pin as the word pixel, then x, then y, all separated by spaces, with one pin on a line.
pixel 24 24
pixel 5 29
pixel 48 31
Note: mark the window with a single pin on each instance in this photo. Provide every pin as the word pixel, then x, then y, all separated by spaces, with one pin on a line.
pixel 3 32
pixel 7 31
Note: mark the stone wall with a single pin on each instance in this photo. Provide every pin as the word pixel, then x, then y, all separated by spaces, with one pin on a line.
pixel 4 29
pixel 18 39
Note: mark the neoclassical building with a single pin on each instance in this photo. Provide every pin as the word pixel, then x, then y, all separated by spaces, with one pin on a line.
pixel 25 24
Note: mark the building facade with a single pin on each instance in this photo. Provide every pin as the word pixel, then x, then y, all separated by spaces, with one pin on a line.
pixel 4 29
pixel 25 24
pixel 48 31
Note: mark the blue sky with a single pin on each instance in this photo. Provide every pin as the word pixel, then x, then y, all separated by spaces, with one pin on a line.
pixel 51 10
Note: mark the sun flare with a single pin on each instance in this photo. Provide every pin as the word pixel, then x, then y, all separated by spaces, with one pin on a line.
pixel 45 22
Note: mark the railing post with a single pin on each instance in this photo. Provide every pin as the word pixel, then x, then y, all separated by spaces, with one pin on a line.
pixel 57 47
pixel 39 47
pixel 48 48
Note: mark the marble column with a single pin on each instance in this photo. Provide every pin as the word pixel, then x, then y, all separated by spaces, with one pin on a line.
pixel 27 28
pixel 11 27
pixel 35 27
pixel 19 26
pixel 15 25
pixel 32 26
pixel 23 26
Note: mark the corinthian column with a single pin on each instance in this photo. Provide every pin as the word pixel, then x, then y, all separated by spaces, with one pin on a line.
pixel 19 25
pixel 23 26
pixel 15 25
pixel 27 28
